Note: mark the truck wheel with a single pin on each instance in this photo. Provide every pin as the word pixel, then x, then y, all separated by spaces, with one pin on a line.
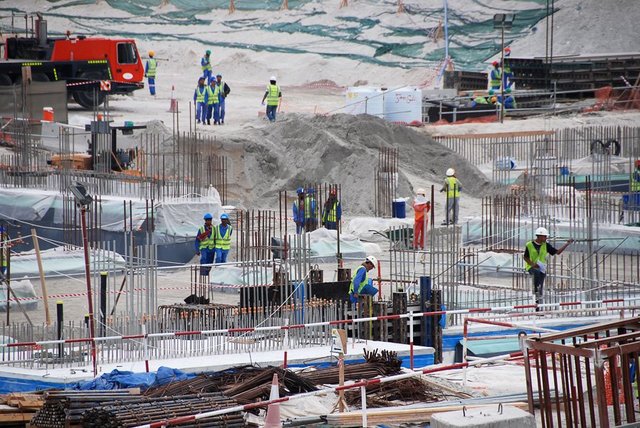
pixel 91 97
pixel 5 80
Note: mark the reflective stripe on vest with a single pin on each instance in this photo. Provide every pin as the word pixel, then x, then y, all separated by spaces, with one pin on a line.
pixel 207 66
pixel 534 256
pixel 635 182
pixel 223 242
pixel 453 189
pixel 151 69
pixel 362 284
pixel 273 93
pixel 200 92
pixel 208 242
pixel 213 95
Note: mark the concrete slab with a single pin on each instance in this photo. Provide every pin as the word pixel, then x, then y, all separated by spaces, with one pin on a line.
pixel 484 417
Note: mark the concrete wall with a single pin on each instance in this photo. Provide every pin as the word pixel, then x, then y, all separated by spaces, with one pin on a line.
pixel 38 96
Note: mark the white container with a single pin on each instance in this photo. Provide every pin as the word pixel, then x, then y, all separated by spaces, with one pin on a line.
pixel 364 100
pixel 403 105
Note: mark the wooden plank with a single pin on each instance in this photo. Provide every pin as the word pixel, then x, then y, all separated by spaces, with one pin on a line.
pixel 16 417
pixel 495 135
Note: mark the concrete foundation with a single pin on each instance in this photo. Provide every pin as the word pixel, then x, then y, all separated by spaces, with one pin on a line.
pixel 484 417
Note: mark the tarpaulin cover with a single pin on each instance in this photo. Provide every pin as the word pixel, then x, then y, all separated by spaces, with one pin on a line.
pixel 122 379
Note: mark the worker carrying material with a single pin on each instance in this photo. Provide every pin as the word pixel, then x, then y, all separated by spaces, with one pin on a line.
pixel 535 259
pixel 273 95
pixel 223 238
pixel 332 211
pixel 421 208
pixel 205 244
pixel 223 93
pixel 360 284
pixel 310 210
pixel 298 211
pixel 201 100
pixel 452 187
pixel 207 69
pixel 150 72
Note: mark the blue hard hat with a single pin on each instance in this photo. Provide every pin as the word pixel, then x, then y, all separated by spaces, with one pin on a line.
pixel 300 190
pixel 311 190
pixel 208 216
pixel 224 217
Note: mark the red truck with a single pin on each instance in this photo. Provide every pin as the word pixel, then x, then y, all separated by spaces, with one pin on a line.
pixel 83 62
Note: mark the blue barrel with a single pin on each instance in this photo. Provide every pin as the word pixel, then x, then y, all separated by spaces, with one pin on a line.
pixel 398 208
pixel 564 170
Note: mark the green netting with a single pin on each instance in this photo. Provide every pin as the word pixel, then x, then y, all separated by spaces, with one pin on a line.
pixel 472 38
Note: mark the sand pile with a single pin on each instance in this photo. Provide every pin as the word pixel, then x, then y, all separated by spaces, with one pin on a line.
pixel 336 149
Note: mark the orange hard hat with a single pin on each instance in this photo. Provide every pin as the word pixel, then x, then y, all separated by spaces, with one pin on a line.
pixel 638 163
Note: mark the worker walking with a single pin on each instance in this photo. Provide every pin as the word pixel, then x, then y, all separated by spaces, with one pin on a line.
pixel 201 99
pixel 150 72
pixel 273 96
pixel 223 93
pixel 223 239
pixel 205 63
pixel 535 259
pixel 421 207
pixel 310 210
pixel 332 211
pixel 495 76
pixel 452 187
pixel 205 245
pixel 298 211
pixel 213 104
pixel 360 284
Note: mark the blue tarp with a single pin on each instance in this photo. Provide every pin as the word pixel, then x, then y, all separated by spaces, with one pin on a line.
pixel 122 379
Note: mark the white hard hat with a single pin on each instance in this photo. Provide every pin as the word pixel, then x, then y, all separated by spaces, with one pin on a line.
pixel 272 78
pixel 372 260
pixel 542 231
pixel 421 191
pixel 451 172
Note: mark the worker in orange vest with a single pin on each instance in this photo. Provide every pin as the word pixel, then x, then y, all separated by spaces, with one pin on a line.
pixel 421 207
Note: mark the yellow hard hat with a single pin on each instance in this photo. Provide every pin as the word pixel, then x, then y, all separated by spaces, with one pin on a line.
pixel 151 53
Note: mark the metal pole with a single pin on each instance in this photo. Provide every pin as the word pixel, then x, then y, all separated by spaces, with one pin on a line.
pixel 502 75
pixel 87 271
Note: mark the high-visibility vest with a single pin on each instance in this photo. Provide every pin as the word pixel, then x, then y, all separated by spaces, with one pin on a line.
pixel 273 94
pixel 495 78
pixel 332 214
pixel 360 286
pixel 201 92
pixel 635 181
pixel 481 100
pixel 223 242
pixel 213 95
pixel 151 67
pixel 206 64
pixel 208 242
pixel 309 211
pixel 453 187
pixel 220 86
pixel 536 256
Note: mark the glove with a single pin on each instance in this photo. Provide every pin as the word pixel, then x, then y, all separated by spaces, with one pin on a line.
pixel 263 103
pixel 197 253
pixel 145 75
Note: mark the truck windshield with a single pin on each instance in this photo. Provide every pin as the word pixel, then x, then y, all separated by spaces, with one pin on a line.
pixel 127 53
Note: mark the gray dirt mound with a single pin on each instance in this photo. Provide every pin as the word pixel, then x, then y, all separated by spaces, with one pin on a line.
pixel 337 149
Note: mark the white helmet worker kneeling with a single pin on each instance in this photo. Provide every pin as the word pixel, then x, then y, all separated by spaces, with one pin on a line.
pixel 360 284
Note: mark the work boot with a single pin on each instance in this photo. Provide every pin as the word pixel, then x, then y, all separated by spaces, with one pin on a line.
pixel 208 122
pixel 197 121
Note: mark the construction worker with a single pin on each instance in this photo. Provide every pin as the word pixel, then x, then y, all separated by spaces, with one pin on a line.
pixel 360 284
pixel 223 93
pixel 421 207
pixel 311 210
pixel 150 72
pixel 201 99
pixel 298 211
pixel 332 211
pixel 634 184
pixel 205 244
pixel 507 74
pixel 205 63
pixel 273 96
pixel 452 187
pixel 509 100
pixel 535 259
pixel 4 251
pixel 479 100
pixel 223 239
pixel 495 76
pixel 213 103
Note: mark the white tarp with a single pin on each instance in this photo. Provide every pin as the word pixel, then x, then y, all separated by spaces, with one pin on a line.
pixel 59 260
pixel 22 289
pixel 324 245
pixel 375 229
